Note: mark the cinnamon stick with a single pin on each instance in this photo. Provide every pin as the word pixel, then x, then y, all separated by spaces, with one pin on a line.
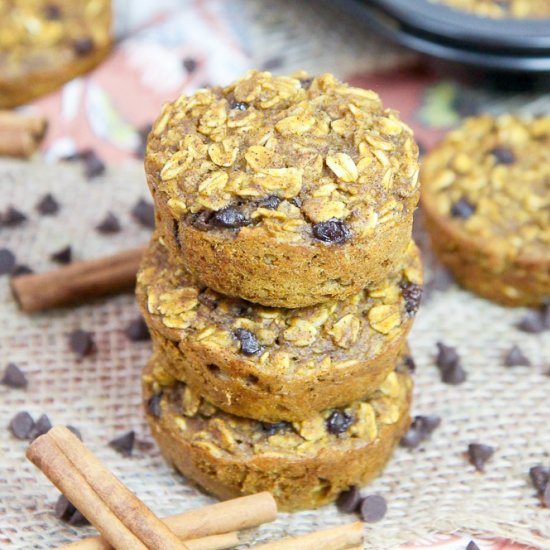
pixel 336 538
pixel 122 519
pixel 77 282
pixel 20 135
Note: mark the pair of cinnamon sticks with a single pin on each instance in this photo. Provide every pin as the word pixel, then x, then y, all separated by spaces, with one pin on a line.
pixel 125 523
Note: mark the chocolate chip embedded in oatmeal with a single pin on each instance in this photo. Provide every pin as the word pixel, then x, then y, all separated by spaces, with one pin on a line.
pixel 137 331
pixel 239 105
pixel 108 225
pixel 516 358
pixel 412 294
pixel 124 444
pixel 21 425
pixel 462 208
pixel 479 454
pixel 201 220
pixel 450 367
pixel 47 205
pixel 339 421
pixel 144 213
pixel 270 429
pixel 41 426
pixel 12 218
pixel 272 202
pixel 249 343
pixel 540 477
pixel 14 377
pixel 81 342
pixel 229 217
pixel 63 256
pixel 348 501
pixel 472 546
pixel 153 405
pixel 373 508
pixel 83 46
pixel 503 155
pixel 332 231
pixel 7 261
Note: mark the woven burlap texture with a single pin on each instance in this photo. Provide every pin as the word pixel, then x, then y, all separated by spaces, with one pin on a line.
pixel 431 489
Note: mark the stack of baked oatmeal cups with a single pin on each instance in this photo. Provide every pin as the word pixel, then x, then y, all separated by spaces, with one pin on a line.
pixel 280 286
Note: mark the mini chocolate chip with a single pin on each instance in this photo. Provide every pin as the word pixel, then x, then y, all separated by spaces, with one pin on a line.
pixel 144 213
pixel 63 508
pixel 339 421
pixel 93 165
pixel 450 367
pixel 83 46
pixel 21 425
pixel 81 342
pixel 41 426
pixel 153 405
pixel 239 105
pixel 52 12
pixel 454 375
pixel 533 323
pixel 305 83
pixel 21 270
pixel 348 501
pixel 47 206
pixel 462 208
pixel 7 261
pixel 412 293
pixel 276 427
pixel 516 358
pixel 12 217
pixel 479 454
pixel 63 256
pixel 137 331
pixel 409 363
pixel 229 217
pixel 427 424
pixel 14 377
pixel 332 231
pixel 190 64
pixel 249 343
pixel 272 202
pixel 540 477
pixel 446 356
pixel 75 431
pixel 77 519
pixel 412 439
pixel 373 508
pixel 124 444
pixel 472 546
pixel 503 155
pixel 108 225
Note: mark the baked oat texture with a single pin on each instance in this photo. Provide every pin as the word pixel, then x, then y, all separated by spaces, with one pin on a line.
pixel 44 43
pixel 486 196
pixel 522 9
pixel 303 464
pixel 275 364
pixel 285 191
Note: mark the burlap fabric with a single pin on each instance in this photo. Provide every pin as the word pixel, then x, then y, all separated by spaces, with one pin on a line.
pixel 432 489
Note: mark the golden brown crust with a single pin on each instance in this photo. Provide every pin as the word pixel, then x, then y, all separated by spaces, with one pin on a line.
pixel 46 43
pixel 306 359
pixel 304 465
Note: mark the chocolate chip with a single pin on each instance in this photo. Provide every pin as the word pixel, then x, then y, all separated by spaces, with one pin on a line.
pixel 305 83
pixel 190 64
pixel 533 323
pixel 472 546
pixel 124 444
pixel 409 363
pixel 348 501
pixel 93 165
pixel 153 405
pixel 144 213
pixel 332 231
pixel 412 294
pixel 412 439
pixel 454 375
pixel 83 46
pixel 462 208
pixel 540 477
pixel 276 427
pixel 272 202
pixel 479 454
pixel 52 12
pixel 21 270
pixel 63 256
pixel 108 225
pixel 450 367
pixel 339 421
pixel 229 217
pixel 516 358
pixel 75 431
pixel 421 428
pixel 81 342
pixel 78 519
pixel 41 426
pixel 503 155
pixel 21 425
pixel 14 377
pixel 249 343
pixel 373 508
pixel 296 201
pixel 239 105
pixel 137 331
pixel 65 511
pixel 47 206
pixel 7 261
pixel 12 217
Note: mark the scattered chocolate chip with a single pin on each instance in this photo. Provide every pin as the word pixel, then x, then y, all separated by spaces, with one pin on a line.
pixel 108 225
pixel 373 508
pixel 272 429
pixel 540 477
pixel 12 217
pixel 137 330
pixel 503 155
pixel 412 293
pixel 305 83
pixel 516 358
pixel 409 363
pixel 339 421
pixel 190 64
pixel 93 165
pixel 65 511
pixel 21 425
pixel 412 439
pixel 47 206
pixel 77 519
pixel 143 134
pixel 348 501
pixel 41 426
pixel 21 270
pixel 153 405
pixel 533 323
pixel 332 231
pixel 239 105
pixel 75 431
pixel 450 367
pixel 83 46
pixel 63 256
pixel 81 342
pixel 124 444
pixel 201 220
pixel 229 217
pixel 296 201
pixel 14 377
pixel 472 546
pixel 7 261
pixel 272 202
pixel 479 454
pixel 144 213
pixel 249 343
pixel 545 499
pixel 421 428
pixel 462 209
